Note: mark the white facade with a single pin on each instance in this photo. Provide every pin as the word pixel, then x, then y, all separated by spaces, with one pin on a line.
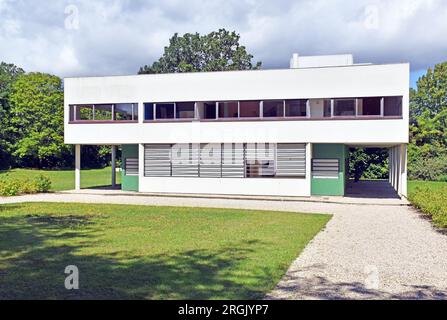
pixel 315 84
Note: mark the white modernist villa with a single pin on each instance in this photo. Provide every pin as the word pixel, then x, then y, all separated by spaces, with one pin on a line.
pixel 262 132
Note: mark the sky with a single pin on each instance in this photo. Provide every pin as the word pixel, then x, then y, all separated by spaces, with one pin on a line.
pixel 116 37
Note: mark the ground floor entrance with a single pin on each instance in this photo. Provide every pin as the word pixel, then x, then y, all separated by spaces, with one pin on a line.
pixel 332 173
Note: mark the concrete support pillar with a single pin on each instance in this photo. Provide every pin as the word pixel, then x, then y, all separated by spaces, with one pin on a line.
pixel 78 167
pixel 395 168
pixel 113 166
pixel 389 165
pixel 403 170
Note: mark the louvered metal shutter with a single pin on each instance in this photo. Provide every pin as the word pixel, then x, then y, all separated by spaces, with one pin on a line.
pixel 325 168
pixel 185 160
pixel 260 160
pixel 211 160
pixel 233 160
pixel 131 166
pixel 290 160
pixel 157 160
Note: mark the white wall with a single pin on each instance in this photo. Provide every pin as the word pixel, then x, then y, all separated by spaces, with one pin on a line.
pixel 314 83
pixel 317 107
pixel 314 131
pixel 240 186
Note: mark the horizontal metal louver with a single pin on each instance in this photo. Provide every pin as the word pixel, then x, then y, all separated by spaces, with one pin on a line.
pixel 259 160
pixel 233 160
pixel 325 168
pixel 185 160
pixel 211 160
pixel 290 160
pixel 131 166
pixel 157 160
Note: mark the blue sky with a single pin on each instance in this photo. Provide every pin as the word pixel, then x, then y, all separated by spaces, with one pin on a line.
pixel 114 37
pixel 415 75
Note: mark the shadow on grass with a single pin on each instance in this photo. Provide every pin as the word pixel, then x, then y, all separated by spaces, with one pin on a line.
pixel 35 249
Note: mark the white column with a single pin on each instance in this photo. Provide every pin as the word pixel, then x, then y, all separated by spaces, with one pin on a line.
pixel 113 166
pixel 78 167
pixel 403 173
pixel 389 165
pixel 140 167
pixel 393 166
pixel 396 168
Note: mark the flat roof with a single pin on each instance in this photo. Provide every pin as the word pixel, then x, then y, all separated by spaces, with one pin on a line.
pixel 235 71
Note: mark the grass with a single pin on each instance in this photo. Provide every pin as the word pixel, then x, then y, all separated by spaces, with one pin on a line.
pixel 64 179
pixel 142 252
pixel 431 198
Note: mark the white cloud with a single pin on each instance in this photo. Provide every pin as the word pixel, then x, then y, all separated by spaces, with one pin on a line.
pixel 117 37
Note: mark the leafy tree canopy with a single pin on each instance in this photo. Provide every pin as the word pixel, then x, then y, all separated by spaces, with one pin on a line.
pixel 428 122
pixel 8 75
pixel 431 93
pixel 36 120
pixel 216 51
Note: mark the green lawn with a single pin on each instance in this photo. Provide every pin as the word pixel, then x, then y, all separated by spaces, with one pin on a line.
pixel 431 198
pixel 64 179
pixel 142 252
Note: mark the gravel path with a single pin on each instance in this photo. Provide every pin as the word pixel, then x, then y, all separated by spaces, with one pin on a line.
pixel 365 251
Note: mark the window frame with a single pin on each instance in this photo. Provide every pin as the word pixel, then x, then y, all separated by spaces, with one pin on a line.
pixel 73 111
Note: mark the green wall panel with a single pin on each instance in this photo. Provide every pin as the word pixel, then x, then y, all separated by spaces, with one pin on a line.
pixel 128 183
pixel 330 187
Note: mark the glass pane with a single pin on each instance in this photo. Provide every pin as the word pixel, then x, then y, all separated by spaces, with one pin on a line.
pixel 228 109
pixel 71 116
pixel 84 113
pixel 296 108
pixel 249 109
pixel 327 108
pixel 135 111
pixel 369 106
pixel 185 110
pixel 209 110
pixel 103 112
pixel 393 106
pixel 123 111
pixel 148 111
pixel 344 107
pixel 165 110
pixel 273 108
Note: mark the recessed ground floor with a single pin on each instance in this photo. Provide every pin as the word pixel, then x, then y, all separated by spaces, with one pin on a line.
pixel 250 169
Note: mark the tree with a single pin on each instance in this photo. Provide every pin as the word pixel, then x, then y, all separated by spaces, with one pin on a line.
pixel 37 120
pixel 8 75
pixel 431 93
pixel 368 163
pixel 428 121
pixel 216 51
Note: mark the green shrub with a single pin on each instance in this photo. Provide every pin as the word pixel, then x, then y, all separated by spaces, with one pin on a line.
pixel 433 202
pixel 42 183
pixel 430 168
pixel 12 187
pixel 9 187
pixel 28 187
